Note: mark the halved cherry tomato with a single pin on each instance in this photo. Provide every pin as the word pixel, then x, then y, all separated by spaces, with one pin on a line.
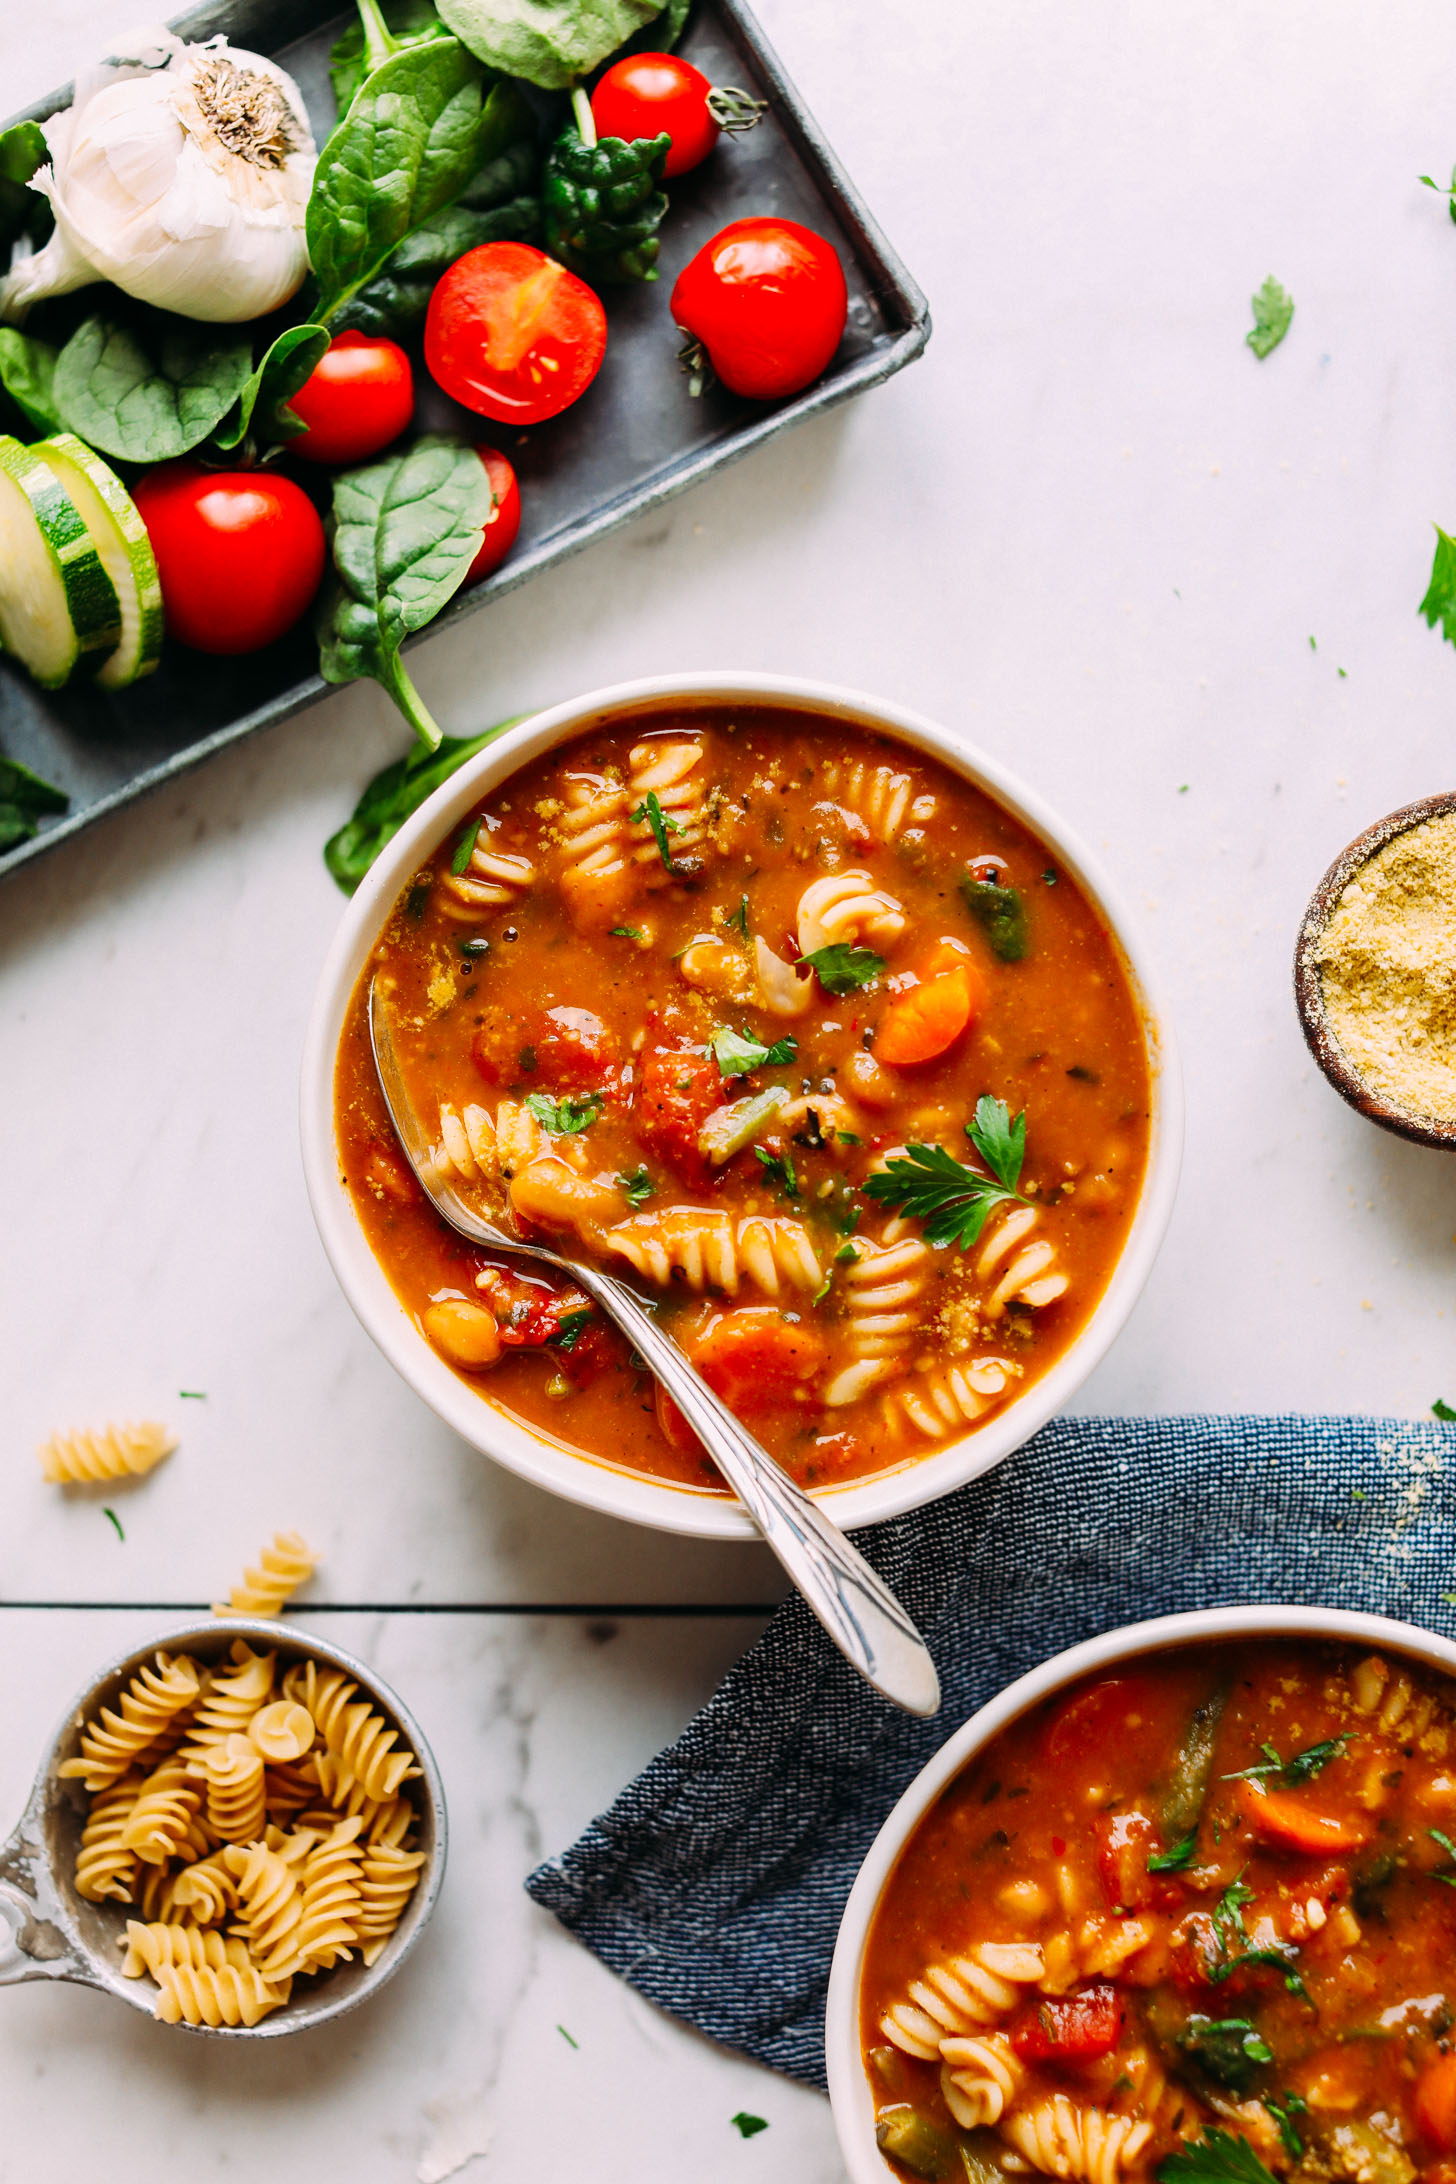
pixel 1435 2103
pixel 504 520
pixel 767 300
pixel 513 335
pixel 359 396
pixel 1286 1822
pixel 754 1357
pixel 239 553
pixel 1069 2028
pixel 649 92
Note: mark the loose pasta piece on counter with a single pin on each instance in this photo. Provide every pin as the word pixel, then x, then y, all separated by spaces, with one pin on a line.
pixel 79 1459
pixel 281 1568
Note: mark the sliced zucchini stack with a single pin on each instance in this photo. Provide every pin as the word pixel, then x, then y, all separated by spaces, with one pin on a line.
pixel 120 538
pixel 58 606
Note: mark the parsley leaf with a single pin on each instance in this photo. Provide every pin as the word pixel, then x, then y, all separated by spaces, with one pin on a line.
pixel 1449 1879
pixel 930 1185
pixel 1444 189
pixel 740 917
pixel 465 847
pixel 1219 2157
pixel 738 1052
pixel 1439 604
pixel 626 932
pixel 842 969
pixel 1273 309
pixel 748 2126
pixel 651 813
pixel 636 1189
pixel 1230 2049
pixel 1284 2112
pixel 1175 1860
pixel 1442 1410
pixel 1228 1912
pixel 563 1118
pixel 781 1167
pixel 1303 1767
pixel 571 1327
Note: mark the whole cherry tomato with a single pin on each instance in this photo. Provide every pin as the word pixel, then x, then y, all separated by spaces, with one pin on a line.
pixel 359 396
pixel 504 520
pixel 767 301
pixel 650 92
pixel 239 553
pixel 513 335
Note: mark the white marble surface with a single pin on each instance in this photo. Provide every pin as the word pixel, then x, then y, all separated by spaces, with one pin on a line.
pixel 1091 531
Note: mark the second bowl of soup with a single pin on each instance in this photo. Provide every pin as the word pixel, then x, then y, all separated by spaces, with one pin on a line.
pixel 813 1024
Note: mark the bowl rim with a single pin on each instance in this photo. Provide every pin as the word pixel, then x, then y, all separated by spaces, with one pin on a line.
pixel 850 2093
pixel 1309 996
pixel 595 1484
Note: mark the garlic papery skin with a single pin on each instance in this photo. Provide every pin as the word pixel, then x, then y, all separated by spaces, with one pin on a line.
pixel 181 173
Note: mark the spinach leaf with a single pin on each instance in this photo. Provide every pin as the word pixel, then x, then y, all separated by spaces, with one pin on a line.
pixel 151 386
pixel 547 42
pixel 499 204
pixel 24 798
pixel 405 533
pixel 23 148
pixel 27 370
pixel 409 22
pixel 1001 914
pixel 407 146
pixel 268 390
pixel 603 202
pixel 390 798
pixel 1230 2049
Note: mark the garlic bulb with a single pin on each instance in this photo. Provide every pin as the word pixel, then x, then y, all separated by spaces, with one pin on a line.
pixel 181 173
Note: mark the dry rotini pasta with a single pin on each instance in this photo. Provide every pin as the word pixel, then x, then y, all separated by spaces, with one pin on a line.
pixel 80 1459
pixel 281 1568
pixel 262 1829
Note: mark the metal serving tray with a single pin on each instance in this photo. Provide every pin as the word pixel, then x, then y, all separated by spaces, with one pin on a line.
pixel 633 440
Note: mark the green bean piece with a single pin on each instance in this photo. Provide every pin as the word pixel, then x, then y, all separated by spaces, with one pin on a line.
pixel 1187 1790
pixel 919 2143
pixel 888 2065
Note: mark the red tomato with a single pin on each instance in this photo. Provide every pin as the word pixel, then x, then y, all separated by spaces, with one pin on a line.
pixel 767 300
pixel 504 520
pixel 1128 1838
pixel 1091 1722
pixel 753 1357
pixel 678 1093
pixel 239 553
pixel 649 92
pixel 513 335
pixel 359 396
pixel 1436 2103
pixel 1069 2028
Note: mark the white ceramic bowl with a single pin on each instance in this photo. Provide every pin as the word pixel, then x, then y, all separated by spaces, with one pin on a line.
pixel 850 2092
pixel 534 1455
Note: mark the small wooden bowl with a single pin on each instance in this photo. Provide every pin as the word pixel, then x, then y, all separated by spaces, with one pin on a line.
pixel 1309 987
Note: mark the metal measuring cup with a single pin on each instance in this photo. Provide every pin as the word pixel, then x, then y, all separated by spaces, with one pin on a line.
pixel 47 1931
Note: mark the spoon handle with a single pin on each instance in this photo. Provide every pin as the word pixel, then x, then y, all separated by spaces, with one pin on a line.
pixel 861 1614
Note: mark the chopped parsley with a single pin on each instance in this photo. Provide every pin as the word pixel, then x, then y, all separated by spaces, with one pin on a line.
pixel 1180 1856
pixel 842 969
pixel 571 1327
pixel 748 2126
pixel 1444 189
pixel 1219 2157
pixel 564 1118
pixel 626 932
pixel 738 1052
pixel 636 1189
pixel 1303 1767
pixel 191 1395
pixel 650 813
pixel 780 1166
pixel 116 1522
pixel 1449 1879
pixel 1230 2049
pixel 1442 1410
pixel 846 1253
pixel 566 2036
pixel 1439 604
pixel 470 949
pixel 465 847
pixel 1273 309
pixel 1228 1919
pixel 952 1201
pixel 1284 2112
pixel 740 917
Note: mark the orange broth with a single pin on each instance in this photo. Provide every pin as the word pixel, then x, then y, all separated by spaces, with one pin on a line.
pixel 555 1003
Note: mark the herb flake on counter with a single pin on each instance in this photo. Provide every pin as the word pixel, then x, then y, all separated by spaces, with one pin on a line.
pixel 736 1053
pixel 1443 189
pixel 840 968
pixel 1219 2157
pixel 950 1200
pixel 650 813
pixel 24 798
pixel 748 2126
pixel 1000 913
pixel 115 1520
pixel 1273 309
pixel 191 1395
pixel 564 1117
pixel 566 2036
pixel 1442 1409
pixel 1439 604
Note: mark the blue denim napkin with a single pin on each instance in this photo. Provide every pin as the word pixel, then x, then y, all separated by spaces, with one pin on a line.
pixel 715 1882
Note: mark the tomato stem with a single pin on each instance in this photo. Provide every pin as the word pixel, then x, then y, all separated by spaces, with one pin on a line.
pixel 585 119
pixel 735 110
pixel 411 704
pixel 693 358
pixel 379 42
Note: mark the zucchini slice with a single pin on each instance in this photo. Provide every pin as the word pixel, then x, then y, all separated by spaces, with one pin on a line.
pixel 120 538
pixel 57 603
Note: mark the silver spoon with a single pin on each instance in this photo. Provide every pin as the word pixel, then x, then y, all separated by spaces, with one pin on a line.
pixel 861 1615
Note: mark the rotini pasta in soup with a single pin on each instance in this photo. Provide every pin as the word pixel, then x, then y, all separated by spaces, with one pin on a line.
pixel 791 1026
pixel 1194 1919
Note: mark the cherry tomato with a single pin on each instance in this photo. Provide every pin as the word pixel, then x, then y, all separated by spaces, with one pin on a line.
pixel 650 92
pixel 239 553
pixel 359 396
pixel 1069 2028
pixel 766 299
pixel 504 520
pixel 513 335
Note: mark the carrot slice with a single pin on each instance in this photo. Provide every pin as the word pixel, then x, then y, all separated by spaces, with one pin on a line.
pixel 1436 2103
pixel 1286 1822
pixel 925 1021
